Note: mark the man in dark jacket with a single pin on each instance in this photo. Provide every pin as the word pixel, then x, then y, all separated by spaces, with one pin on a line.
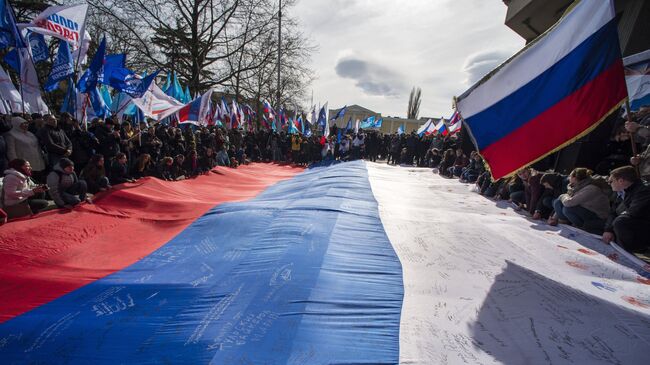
pixel 54 140
pixel 629 220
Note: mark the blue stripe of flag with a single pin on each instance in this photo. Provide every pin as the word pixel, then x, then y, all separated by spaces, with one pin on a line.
pixel 583 64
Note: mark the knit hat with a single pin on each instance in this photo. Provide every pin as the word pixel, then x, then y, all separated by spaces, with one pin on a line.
pixel 65 162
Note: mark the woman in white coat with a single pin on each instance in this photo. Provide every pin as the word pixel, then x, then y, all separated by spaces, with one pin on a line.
pixel 23 144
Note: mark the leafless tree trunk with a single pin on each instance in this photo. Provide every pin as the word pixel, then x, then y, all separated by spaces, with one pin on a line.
pixel 414 103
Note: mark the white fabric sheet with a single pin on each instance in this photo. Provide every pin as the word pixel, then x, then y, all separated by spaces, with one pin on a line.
pixel 483 284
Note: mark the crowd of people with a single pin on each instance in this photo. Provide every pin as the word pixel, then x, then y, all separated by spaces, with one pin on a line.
pixel 45 158
pixel 615 205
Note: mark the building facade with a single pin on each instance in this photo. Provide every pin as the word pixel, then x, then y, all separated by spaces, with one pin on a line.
pixel 389 124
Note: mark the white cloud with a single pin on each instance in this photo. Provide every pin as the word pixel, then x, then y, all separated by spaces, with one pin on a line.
pixel 371 52
pixel 480 64
pixel 371 78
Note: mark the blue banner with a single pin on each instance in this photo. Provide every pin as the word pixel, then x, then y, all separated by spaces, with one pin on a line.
pixel 63 67
pixel 9 34
pixel 40 51
pixel 13 60
pixel 130 83
pixel 367 123
pixel 90 78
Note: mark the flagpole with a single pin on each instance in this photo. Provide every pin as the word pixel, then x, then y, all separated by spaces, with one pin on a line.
pixel 82 35
pixel 629 119
pixel 20 81
pixel 279 50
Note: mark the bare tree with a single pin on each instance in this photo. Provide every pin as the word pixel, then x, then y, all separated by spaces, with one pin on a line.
pixel 414 103
pixel 208 43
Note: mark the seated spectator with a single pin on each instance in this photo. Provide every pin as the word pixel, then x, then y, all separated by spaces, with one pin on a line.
pixel 222 156
pixel 475 168
pixel 191 164
pixel 94 174
pixel 516 192
pixel 142 167
pixel 165 169
pixel 208 161
pixel 23 144
pixel 65 187
pixel 554 185
pixel 178 171
pixel 256 153
pixel 629 217
pixel 433 157
pixel 20 196
pixel 532 190
pixel 460 162
pixel 585 205
pixel 233 163
pixel 120 169
pixel 447 163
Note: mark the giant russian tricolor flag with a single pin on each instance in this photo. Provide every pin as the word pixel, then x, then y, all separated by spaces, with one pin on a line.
pixel 555 90
pixel 355 263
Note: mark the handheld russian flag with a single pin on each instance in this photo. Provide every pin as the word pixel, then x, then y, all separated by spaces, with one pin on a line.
pixel 441 128
pixel 197 111
pixel 637 78
pixel 566 81
pixel 455 128
pixel 455 118
pixel 234 115
pixel 426 128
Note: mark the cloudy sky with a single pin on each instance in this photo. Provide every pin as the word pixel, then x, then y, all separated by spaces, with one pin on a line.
pixel 372 52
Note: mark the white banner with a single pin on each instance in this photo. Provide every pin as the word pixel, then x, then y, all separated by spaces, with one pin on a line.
pixel 30 87
pixel 11 100
pixel 156 104
pixel 64 22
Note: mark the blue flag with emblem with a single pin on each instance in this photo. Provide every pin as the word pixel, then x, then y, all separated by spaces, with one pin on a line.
pixel 62 69
pixel 9 34
pixel 367 123
pixel 340 113
pixel 100 108
pixel 39 48
pixel 131 83
pixel 90 78
pixel 112 63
